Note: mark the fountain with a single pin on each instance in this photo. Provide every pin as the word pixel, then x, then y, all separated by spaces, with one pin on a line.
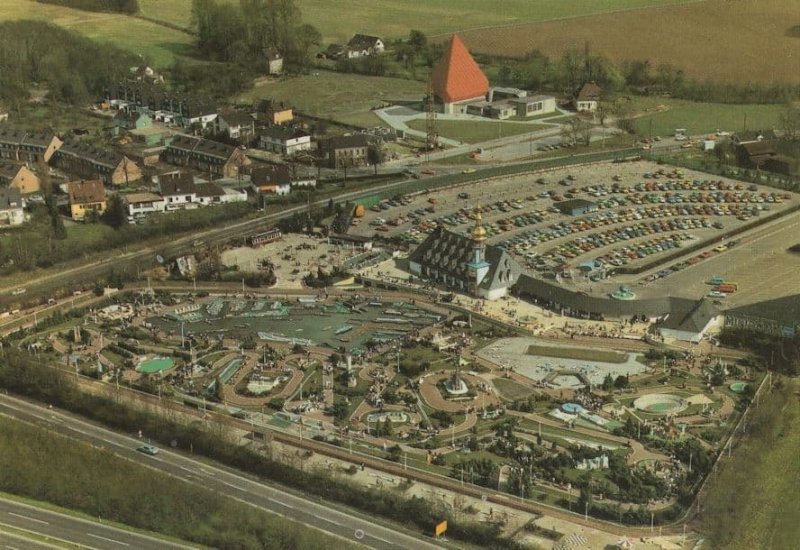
pixel 623 293
pixel 454 385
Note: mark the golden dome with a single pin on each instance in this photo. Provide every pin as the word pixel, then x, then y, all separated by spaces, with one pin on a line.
pixel 478 233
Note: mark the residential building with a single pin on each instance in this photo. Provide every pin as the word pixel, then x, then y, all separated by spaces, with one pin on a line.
pixel 274 62
pixel 457 80
pixel 343 151
pixel 465 264
pixel 208 193
pixel 144 203
pixel 534 105
pixel 363 45
pixel 11 212
pixel 88 162
pixel 131 120
pixel 589 97
pixel 178 191
pixel 19 176
pixel 86 198
pixel 29 147
pixel 271 179
pixel 210 157
pixel 284 140
pixel 271 113
pixel 237 124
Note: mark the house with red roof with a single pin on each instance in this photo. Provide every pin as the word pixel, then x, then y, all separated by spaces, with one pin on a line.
pixel 457 80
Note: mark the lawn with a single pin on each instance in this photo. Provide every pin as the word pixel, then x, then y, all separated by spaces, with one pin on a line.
pixel 158 44
pixel 342 97
pixel 476 131
pixel 338 20
pixel 604 356
pixel 510 389
pixel 664 115
pixel 750 503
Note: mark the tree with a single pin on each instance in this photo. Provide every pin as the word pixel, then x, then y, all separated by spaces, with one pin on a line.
pixel 59 231
pixel 116 215
pixel 375 155
pixel 789 122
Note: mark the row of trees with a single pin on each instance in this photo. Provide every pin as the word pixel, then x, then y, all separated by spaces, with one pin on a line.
pixel 119 6
pixel 246 32
pixel 38 55
pixel 566 74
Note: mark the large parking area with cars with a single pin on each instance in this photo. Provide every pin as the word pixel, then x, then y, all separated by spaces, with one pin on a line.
pixel 581 225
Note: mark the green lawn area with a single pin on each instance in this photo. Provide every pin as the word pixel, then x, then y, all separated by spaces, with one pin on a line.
pixel 343 97
pixel 510 389
pixel 338 20
pixel 702 118
pixel 470 131
pixel 750 503
pixel 605 356
pixel 158 44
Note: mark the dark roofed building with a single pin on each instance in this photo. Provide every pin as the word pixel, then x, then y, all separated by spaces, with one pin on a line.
pixel 344 150
pixel 589 97
pixel 237 124
pixel 465 264
pixel 210 157
pixel 86 161
pixel 783 164
pixel 576 207
pixel 11 212
pixel 27 146
pixel 362 45
pixel 689 324
pixel 754 154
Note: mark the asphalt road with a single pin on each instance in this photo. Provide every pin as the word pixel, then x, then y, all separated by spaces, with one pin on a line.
pixel 316 514
pixel 49 528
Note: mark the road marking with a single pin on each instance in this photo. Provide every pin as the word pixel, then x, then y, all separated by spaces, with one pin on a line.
pixel 29 518
pixel 382 540
pixel 108 539
pixel 185 469
pixel 279 502
pixel 329 520
pixel 232 485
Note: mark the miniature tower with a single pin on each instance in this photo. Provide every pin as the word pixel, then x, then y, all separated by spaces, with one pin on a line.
pixel 478 267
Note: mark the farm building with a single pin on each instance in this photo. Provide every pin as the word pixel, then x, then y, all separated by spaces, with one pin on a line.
pixel 465 264
pixel 576 207
pixel 457 80
pixel 274 61
pixel 362 45
pixel 754 154
pixel 589 97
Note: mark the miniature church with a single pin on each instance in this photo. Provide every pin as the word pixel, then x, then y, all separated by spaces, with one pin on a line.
pixel 465 263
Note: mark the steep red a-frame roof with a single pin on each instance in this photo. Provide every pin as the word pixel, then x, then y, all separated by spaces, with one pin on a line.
pixel 456 76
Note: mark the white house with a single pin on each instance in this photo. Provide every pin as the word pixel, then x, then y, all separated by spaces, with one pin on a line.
pixel 285 141
pixel 362 45
pixel 144 203
pixel 11 212
pixel 589 97
pixel 237 124
pixel 178 191
pixel 692 324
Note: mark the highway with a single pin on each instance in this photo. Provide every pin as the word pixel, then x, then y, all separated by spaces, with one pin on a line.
pixel 48 528
pixel 330 518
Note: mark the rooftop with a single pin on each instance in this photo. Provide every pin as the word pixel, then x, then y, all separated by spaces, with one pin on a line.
pixel 457 76
pixel 86 192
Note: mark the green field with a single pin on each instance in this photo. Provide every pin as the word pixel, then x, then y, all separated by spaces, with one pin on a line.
pixel 343 97
pixel 604 356
pixel 702 118
pixel 510 389
pixel 158 44
pixel 338 20
pixel 752 502
pixel 470 131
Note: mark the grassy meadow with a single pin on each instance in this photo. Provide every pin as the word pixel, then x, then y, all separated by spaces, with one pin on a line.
pixel 158 44
pixel 470 131
pixel 751 502
pixel 662 116
pixel 342 97
pixel 691 36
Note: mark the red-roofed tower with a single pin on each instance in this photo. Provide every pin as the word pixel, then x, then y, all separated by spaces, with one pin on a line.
pixel 457 79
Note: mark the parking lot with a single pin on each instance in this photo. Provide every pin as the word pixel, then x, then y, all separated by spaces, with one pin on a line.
pixel 640 212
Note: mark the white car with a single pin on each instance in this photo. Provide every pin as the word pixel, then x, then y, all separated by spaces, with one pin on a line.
pixel 716 294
